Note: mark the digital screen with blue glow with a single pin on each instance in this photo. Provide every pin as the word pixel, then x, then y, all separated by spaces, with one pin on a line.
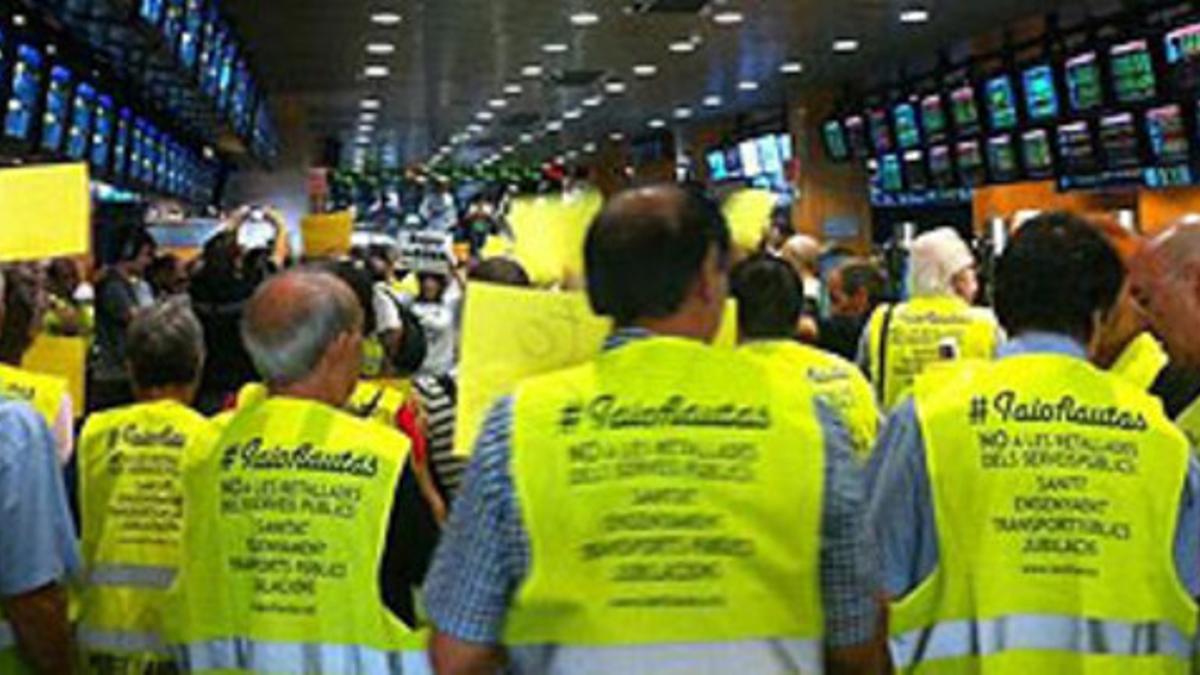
pixel 58 102
pixel 80 131
pixel 1002 158
pixel 193 28
pixel 716 166
pixel 1077 148
pixel 172 27
pixel 1001 103
pixel 908 135
pixel 26 92
pixel 933 117
pixel 881 132
pixel 751 164
pixel 941 166
pixel 1085 88
pixel 137 151
pixel 964 109
pixel 856 136
pixel 835 141
pixel 890 177
pixel 1037 153
pixel 1167 130
pixel 785 147
pixel 121 146
pixel 151 11
pixel 1119 143
pixel 1182 48
pixel 225 78
pixel 1041 93
pixel 1133 75
pixel 733 163
pixel 210 54
pixel 768 153
pixel 970 163
pixel 102 137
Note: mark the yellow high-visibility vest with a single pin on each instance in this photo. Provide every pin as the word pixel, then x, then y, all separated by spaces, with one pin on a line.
pixel 672 494
pixel 1189 422
pixel 837 382
pixel 376 400
pixel 284 534
pixel 44 392
pixel 1056 491
pixel 920 332
pixel 130 466
pixel 1142 361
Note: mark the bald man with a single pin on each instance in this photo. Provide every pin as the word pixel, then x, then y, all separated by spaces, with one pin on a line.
pixel 1165 283
pixel 665 508
pixel 289 515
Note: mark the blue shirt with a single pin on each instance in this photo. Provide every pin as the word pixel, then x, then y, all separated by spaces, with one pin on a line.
pixel 901 510
pixel 37 535
pixel 484 554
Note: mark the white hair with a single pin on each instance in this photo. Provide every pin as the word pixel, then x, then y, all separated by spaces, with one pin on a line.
pixel 937 256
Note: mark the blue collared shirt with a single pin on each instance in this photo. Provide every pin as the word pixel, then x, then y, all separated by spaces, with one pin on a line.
pixel 37 535
pixel 484 554
pixel 901 503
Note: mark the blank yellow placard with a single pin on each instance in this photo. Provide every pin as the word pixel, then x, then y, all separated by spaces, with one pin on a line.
pixel 510 334
pixel 749 212
pixel 45 212
pixel 550 232
pixel 64 357
pixel 327 234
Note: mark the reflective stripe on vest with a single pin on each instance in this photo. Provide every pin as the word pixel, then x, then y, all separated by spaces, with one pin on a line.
pixel 672 494
pixel 954 639
pixel 234 654
pixel 120 642
pixel 757 657
pixel 132 575
pixel 8 639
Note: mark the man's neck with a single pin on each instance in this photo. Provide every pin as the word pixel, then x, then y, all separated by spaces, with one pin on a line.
pixel 674 326
pixel 181 394
pixel 308 390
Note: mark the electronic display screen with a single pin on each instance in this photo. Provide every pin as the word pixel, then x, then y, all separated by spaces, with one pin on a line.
pixel 1167 131
pixel 941 167
pixel 904 116
pixel 856 136
pixel 784 140
pixel 137 151
pixel 964 109
pixel 970 163
pixel 58 101
pixel 228 64
pixel 1119 141
pixel 1133 72
pixel 241 95
pixel 716 166
pixel 162 162
pixel 151 11
pixel 1002 158
pixel 102 137
pixel 1182 48
pixel 1036 151
pixel 82 110
pixel 210 54
pixel 1041 93
pixel 768 154
pixel 122 146
pixel 751 164
pixel 193 27
pixel 1077 149
pixel 172 27
pixel 733 163
pixel 25 93
pixel 915 173
pixel 881 133
pixel 835 141
pixel 1001 103
pixel 933 117
pixel 890 177
pixel 1084 87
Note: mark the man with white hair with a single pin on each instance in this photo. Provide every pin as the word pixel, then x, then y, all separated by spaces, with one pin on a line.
pixel 803 253
pixel 288 517
pixel 1165 284
pixel 937 324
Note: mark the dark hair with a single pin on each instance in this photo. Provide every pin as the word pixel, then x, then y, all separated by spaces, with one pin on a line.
pixel 1056 273
pixel 640 261
pixel 862 275
pixel 770 297
pixel 355 275
pixel 22 303
pixel 165 345
pixel 131 241
pixel 503 271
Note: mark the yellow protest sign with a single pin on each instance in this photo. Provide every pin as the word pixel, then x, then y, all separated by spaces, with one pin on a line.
pixel 749 212
pixel 47 212
pixel 64 357
pixel 549 233
pixel 327 235
pixel 510 334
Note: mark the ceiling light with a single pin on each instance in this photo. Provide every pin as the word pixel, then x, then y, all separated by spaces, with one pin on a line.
pixel 645 70
pixel 748 85
pixel 682 47
pixel 584 19
pixel 381 49
pixel 485 116
pixel 377 72
pixel 386 19
pixel 513 89
pixel 683 112
pixel 366 129
pixel 573 114
pixel 728 18
pixel 554 126
pixel 209 153
pixel 593 102
pixel 508 149
pixel 368 117
pixel 572 154
pixel 363 140
pixel 616 136
pixel 18 20
pixel 792 68
pixel 845 45
pixel 914 15
pixel 555 47
pixel 474 129
pixel 589 148
pixel 526 139
pixel 712 101
pixel 498 103
pixel 370 104
pixel 656 123
pixel 532 70
pixel 615 87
